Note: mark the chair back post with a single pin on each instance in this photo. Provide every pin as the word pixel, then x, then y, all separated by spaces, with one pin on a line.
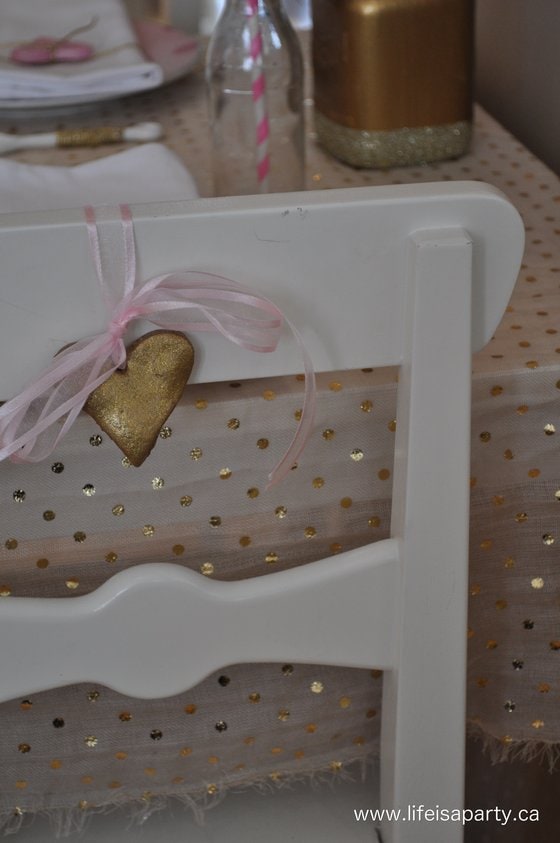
pixel 424 696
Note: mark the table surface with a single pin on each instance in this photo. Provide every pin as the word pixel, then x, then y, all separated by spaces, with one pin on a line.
pixel 514 623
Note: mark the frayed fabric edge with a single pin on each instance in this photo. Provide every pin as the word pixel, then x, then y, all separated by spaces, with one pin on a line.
pixel 68 821
pixel 504 749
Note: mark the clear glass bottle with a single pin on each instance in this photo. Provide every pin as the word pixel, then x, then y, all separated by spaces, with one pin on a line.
pixel 238 149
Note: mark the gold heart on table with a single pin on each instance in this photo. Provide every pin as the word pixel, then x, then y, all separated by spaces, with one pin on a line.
pixel 133 404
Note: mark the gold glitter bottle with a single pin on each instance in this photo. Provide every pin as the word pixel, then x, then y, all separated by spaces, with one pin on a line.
pixel 393 79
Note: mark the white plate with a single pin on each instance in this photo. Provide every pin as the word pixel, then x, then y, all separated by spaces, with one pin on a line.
pixel 175 52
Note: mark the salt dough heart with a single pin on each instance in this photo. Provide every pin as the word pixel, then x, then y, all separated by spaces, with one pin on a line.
pixel 132 405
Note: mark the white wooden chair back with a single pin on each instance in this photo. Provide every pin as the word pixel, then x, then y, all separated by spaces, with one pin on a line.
pixel 416 276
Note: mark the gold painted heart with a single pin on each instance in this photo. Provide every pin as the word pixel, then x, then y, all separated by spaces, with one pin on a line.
pixel 133 404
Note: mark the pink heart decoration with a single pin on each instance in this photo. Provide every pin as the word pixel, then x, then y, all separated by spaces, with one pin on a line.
pixel 51 51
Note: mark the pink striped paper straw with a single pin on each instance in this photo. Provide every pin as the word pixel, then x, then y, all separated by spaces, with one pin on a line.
pixel 259 95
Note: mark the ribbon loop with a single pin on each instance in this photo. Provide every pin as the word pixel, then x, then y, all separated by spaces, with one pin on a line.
pixel 32 423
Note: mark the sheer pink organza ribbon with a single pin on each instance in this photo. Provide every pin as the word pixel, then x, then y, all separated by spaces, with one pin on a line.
pixel 34 422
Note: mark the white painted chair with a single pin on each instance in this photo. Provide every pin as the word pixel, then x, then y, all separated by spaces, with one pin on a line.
pixel 417 276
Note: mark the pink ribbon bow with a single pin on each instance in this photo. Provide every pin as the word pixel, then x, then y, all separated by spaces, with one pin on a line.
pixel 32 423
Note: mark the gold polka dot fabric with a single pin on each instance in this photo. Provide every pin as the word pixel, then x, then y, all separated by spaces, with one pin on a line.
pixel 199 501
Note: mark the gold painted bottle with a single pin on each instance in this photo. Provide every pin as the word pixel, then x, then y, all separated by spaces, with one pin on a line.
pixel 393 79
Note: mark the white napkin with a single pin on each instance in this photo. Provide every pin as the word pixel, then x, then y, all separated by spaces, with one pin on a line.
pixel 118 65
pixel 147 173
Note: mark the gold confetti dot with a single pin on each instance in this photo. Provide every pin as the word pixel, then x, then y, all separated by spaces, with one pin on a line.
pixel 89 490
pixel 118 509
pixel 185 751
pixel 178 549
pixel 42 563
pixel 366 406
pixel 201 403
pixel 374 521
pixel 328 434
pixel 532 364
pixel 72 583
pixel 549 429
pixel 482 682
pixel 548 539
pixel 5 591
pixel 317 687
pixel 345 702
pixel 21 784
pixel 335 386
pixel 537 724
pixel 253 493
pixel 298 414
pixel 537 583
pixel 310 532
pixel 276 750
pixel 26 705
pixel 283 715
pixel 486 544
pixel 165 432
pixel 148 530
pixel 215 521
pixel 245 541
pixel 19 495
pixel 125 716
pixel 318 483
pixel 496 390
pixel 336 766
pixel 196 454
pixel 475 589
pixel 384 474
pixel 96 440
pixel 370 713
pixel 125 462
pixel 485 436
pixel 156 734
pixel 521 517
pixel 543 688
pixel 287 669
pixel 56 764
pixel 357 454
pixel 335 547
pixel 57 468
pixel 234 424
pixel 280 512
pixel 299 754
pixel 534 472
pixel 121 756
pixel 392 425
pixel 186 500
pixel 346 503
pixel 491 644
pixel 49 515
pixel 271 557
pixel 262 444
pixel 211 789
pixel 111 557
pixel 249 741
pixel 311 728
pixel 554 645
pixel 150 771
pixel 158 482
pixel 269 395
pixel 213 759
pixel 254 697
pixel 93 696
pixel 190 709
pixel 207 568
pixel 225 473
pixel 58 723
pixel 79 536
pixel 91 741
pixel 501 604
pixel 376 674
pixel 522 409
pixel 24 747
pixel 508 454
